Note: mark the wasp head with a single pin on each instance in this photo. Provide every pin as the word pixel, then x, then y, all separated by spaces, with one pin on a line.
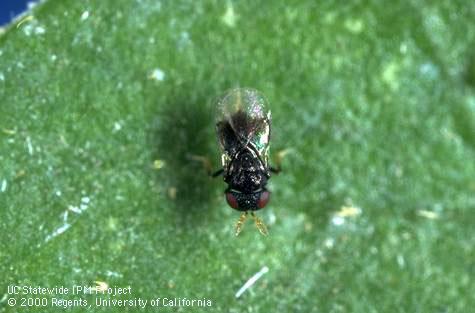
pixel 247 201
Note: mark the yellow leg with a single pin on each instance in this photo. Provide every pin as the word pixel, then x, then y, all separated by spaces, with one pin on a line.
pixel 240 222
pixel 204 161
pixel 278 160
pixel 260 225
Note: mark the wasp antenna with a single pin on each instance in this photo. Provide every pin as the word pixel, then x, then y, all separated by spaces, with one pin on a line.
pixel 260 225
pixel 240 222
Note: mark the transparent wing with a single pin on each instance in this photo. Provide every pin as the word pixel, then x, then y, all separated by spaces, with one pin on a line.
pixel 243 118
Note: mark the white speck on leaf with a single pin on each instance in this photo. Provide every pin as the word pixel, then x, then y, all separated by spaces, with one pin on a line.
pixel 113 274
pixel 39 30
pixel 53 57
pixel 428 214
pixel 2 77
pixel 252 281
pixel 157 74
pixel 400 260
pixel 338 220
pixel 29 145
pixel 403 48
pixel 83 206
pixel 354 25
pixel 4 185
pixel 390 74
pixel 84 15
pixel 58 232
pixel 348 211
pixel 229 17
pixel 329 243
pixel 429 70
pixel 184 40
pixel 101 286
pixel 27 29
pixel 117 127
pixel 31 26
pixel 74 209
pixel 158 164
pixel 272 218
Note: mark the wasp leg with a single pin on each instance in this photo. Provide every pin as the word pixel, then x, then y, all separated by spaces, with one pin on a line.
pixel 240 222
pixel 218 173
pixel 260 224
pixel 278 161
pixel 206 165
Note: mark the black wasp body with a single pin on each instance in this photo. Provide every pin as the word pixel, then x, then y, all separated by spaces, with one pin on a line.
pixel 243 124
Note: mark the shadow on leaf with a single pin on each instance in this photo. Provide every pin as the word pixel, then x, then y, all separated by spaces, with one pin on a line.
pixel 181 128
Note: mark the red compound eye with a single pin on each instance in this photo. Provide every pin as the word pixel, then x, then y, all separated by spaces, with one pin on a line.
pixel 263 200
pixel 231 200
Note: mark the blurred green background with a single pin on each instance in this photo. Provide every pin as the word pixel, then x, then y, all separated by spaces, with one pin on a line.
pixel 102 101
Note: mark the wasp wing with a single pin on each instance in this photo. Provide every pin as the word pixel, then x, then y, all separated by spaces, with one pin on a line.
pixel 242 119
